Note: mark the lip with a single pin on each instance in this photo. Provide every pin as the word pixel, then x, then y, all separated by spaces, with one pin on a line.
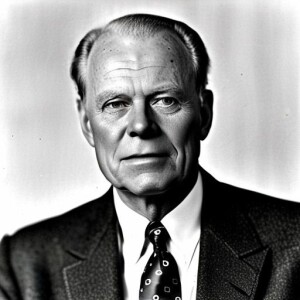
pixel 145 155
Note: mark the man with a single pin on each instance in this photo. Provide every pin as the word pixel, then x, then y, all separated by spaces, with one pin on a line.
pixel 166 229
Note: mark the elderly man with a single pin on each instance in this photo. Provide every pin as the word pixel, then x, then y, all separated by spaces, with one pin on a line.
pixel 166 229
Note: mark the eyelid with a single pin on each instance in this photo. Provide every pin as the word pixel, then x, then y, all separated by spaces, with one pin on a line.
pixel 155 100
pixel 116 99
pixel 175 94
pixel 107 105
pixel 165 108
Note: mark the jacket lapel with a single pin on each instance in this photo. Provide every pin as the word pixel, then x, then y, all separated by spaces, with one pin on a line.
pixel 231 255
pixel 94 271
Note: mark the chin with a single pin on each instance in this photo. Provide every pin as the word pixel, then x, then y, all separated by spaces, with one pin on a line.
pixel 148 187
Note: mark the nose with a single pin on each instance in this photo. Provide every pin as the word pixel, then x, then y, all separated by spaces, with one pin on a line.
pixel 141 123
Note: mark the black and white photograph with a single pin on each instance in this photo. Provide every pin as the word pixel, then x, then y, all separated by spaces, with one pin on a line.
pixel 150 150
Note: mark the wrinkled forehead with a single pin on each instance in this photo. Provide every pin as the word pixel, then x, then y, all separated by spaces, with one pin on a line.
pixel 115 51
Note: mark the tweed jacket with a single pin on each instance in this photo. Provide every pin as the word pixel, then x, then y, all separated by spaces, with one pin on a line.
pixel 249 249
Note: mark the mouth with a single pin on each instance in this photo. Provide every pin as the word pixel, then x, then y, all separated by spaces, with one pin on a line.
pixel 146 155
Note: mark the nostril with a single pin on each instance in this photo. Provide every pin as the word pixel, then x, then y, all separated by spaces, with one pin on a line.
pixel 133 134
pixel 146 129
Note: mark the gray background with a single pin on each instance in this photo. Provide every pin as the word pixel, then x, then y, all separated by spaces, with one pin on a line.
pixel 46 166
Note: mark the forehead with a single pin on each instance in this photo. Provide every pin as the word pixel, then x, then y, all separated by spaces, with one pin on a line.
pixel 113 53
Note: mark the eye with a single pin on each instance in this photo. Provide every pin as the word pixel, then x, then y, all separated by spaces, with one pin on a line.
pixel 165 102
pixel 166 105
pixel 115 105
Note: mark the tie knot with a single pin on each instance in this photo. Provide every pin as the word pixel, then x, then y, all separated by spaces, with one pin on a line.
pixel 157 234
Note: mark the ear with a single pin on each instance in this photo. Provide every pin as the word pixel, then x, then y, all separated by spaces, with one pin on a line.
pixel 206 112
pixel 85 122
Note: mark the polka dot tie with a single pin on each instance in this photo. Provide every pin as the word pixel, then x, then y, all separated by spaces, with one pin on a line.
pixel 160 280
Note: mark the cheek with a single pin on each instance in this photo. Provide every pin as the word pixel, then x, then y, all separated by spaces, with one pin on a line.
pixel 106 144
pixel 185 133
pixel 105 139
pixel 105 131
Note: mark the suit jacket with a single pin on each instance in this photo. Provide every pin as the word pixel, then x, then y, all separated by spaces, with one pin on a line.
pixel 249 249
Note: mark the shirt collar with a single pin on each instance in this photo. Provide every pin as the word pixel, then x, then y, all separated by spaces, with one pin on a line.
pixel 133 227
pixel 182 223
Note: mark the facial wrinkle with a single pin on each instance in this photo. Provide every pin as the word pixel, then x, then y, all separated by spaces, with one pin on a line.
pixel 133 70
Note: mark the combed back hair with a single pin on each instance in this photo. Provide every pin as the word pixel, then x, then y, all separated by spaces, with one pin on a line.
pixel 142 25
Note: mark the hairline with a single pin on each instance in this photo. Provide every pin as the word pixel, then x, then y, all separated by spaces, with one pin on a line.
pixel 175 39
pixel 178 30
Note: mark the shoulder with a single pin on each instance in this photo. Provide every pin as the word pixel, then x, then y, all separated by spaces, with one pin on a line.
pixel 276 221
pixel 63 229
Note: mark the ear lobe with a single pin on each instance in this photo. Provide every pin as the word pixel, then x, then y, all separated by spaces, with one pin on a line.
pixel 206 112
pixel 85 123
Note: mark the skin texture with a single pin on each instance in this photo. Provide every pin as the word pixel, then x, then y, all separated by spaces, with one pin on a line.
pixel 144 118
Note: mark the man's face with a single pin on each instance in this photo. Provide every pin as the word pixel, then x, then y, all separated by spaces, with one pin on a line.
pixel 142 112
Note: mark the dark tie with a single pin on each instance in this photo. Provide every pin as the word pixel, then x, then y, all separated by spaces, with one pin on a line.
pixel 160 280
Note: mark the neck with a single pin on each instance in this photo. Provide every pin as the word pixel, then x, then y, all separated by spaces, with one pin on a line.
pixel 155 207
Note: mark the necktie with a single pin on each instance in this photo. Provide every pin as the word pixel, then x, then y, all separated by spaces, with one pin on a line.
pixel 160 280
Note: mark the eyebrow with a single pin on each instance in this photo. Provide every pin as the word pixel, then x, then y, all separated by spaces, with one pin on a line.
pixel 111 94
pixel 172 90
pixel 107 95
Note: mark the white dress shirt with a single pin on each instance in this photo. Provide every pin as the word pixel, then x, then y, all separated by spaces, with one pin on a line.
pixel 183 225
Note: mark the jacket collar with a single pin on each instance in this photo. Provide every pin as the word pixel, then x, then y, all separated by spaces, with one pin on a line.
pixel 93 267
pixel 231 255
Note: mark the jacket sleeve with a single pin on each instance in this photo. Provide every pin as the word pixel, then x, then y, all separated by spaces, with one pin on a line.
pixel 8 285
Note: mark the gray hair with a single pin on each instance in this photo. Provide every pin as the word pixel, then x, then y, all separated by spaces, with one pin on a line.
pixel 142 25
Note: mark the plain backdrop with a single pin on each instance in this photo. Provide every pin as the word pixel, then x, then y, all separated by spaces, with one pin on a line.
pixel 46 166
